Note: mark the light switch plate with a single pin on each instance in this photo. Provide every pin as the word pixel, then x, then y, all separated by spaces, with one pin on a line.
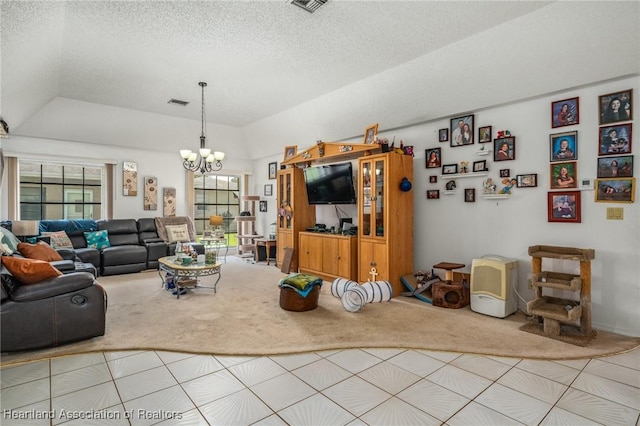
pixel 615 213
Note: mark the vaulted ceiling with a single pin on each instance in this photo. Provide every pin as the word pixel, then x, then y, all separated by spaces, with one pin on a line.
pixel 268 62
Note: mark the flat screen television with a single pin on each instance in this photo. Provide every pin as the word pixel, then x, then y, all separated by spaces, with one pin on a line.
pixel 330 184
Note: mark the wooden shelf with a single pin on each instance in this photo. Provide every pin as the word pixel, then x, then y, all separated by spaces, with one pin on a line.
pixel 465 175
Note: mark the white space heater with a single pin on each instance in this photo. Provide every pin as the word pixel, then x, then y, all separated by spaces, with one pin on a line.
pixel 492 286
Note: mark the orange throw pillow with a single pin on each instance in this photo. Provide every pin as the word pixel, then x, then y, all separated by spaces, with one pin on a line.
pixel 39 251
pixel 29 271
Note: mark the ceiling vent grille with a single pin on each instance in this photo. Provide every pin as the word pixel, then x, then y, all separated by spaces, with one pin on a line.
pixel 309 5
pixel 178 102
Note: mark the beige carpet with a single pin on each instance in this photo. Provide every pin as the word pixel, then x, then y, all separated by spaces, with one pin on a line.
pixel 244 318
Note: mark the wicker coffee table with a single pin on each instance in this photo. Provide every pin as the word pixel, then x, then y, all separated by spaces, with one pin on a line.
pixel 186 276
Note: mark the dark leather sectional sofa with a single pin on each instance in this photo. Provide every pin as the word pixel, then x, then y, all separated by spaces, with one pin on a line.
pixel 135 244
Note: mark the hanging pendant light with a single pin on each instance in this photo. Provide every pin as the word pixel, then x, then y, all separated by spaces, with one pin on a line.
pixel 205 161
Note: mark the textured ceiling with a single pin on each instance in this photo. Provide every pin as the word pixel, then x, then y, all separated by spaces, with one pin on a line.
pixel 278 75
pixel 259 58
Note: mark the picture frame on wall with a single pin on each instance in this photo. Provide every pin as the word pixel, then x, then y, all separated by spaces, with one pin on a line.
pixel 564 206
pixel 150 193
pixel 268 190
pixel 433 179
pixel 504 148
pixel 273 170
pixel 450 169
pixel 615 140
pixel 505 173
pixel 129 178
pixel 290 152
pixel 480 166
pixel 462 131
pixel 433 158
pixel 370 134
pixel 615 190
pixel 433 194
pixel 612 167
pixel 565 112
pixel 616 107
pixel 564 175
pixel 484 134
pixel 262 205
pixel 563 146
pixel 469 195
pixel 443 135
pixel 529 180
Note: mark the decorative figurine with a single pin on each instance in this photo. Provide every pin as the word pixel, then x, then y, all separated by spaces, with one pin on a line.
pixel 508 185
pixel 489 187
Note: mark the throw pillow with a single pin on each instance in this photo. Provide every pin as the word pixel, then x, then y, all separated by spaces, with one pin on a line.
pixel 59 240
pixel 97 239
pixel 8 241
pixel 39 251
pixel 29 271
pixel 177 233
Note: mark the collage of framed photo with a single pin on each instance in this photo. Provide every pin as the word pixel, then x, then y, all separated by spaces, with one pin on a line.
pixel 449 169
pixel 565 112
pixel 615 140
pixel 563 146
pixel 615 190
pixel 433 158
pixel 564 175
pixel 564 206
pixel 612 167
pixel 484 134
pixel 469 195
pixel 616 107
pixel 527 181
pixel 480 166
pixel 433 194
pixel 504 149
pixel 615 182
pixel 443 135
pixel 462 131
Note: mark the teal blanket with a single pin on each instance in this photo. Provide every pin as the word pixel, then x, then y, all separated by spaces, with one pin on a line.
pixel 301 283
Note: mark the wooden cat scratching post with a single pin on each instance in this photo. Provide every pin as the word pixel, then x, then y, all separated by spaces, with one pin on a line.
pixel 562 319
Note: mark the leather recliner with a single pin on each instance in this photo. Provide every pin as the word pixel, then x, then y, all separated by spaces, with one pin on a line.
pixel 125 254
pixel 148 237
pixel 52 312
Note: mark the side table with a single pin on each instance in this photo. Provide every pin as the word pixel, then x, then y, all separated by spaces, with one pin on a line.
pixel 267 243
pixel 217 243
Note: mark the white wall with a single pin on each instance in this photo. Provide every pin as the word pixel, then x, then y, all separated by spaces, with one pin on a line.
pixel 167 167
pixel 451 230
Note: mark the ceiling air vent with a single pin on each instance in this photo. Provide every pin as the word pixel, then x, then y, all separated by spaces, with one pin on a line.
pixel 309 5
pixel 178 102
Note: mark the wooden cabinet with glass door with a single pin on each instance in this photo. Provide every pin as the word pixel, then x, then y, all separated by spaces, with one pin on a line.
pixel 293 213
pixel 385 219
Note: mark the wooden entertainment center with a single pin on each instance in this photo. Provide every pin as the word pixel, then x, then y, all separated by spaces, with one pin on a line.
pixel 383 247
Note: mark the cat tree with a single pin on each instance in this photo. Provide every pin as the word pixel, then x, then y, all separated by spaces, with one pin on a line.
pixel 247 227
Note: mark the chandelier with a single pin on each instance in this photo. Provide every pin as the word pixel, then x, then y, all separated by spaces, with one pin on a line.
pixel 207 161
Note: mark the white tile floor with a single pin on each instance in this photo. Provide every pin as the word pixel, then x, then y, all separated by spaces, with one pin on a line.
pixel 355 387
